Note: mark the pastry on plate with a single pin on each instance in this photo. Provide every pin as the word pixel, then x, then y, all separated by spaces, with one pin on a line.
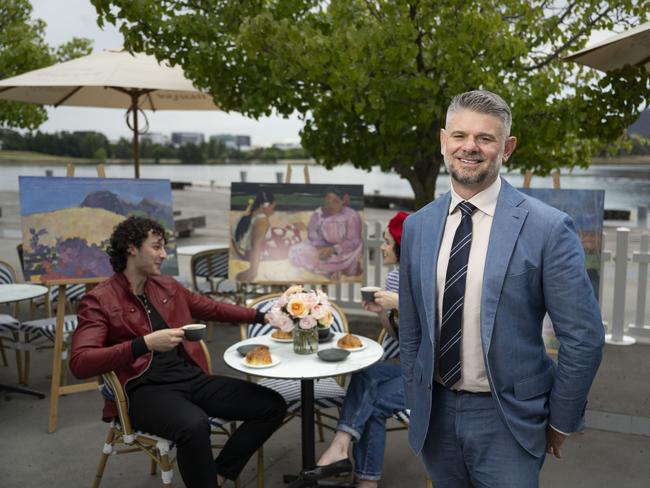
pixel 349 341
pixel 259 356
pixel 278 334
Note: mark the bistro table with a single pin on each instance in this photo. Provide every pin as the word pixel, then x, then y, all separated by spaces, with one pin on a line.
pixel 305 368
pixel 16 292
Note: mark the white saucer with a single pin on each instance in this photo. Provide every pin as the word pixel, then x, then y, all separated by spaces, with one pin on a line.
pixel 277 339
pixel 274 361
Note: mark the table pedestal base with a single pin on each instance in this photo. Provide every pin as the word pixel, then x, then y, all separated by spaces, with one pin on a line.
pixel 308 441
pixel 297 482
pixel 20 389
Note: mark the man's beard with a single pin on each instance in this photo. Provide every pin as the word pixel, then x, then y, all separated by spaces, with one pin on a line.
pixel 474 178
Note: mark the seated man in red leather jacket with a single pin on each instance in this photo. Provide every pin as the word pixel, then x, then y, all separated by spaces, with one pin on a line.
pixel 131 324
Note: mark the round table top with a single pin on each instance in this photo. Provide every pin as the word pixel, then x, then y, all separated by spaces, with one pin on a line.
pixel 16 292
pixel 304 366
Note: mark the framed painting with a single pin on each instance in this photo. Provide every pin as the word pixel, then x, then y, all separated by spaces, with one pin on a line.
pixel 296 233
pixel 586 208
pixel 67 222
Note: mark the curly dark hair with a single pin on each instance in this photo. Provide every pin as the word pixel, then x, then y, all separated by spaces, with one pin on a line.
pixel 133 230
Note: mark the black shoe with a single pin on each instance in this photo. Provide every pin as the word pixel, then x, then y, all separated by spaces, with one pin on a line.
pixel 338 468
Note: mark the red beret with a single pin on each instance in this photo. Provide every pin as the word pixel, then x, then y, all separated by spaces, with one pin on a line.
pixel 395 226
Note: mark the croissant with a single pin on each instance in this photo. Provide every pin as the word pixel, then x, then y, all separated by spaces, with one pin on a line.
pixel 259 356
pixel 278 334
pixel 349 341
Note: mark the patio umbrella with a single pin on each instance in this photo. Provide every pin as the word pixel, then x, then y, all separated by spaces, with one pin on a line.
pixel 109 79
pixel 630 47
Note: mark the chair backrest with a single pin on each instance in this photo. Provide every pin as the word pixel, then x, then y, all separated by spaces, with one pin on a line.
pixel 111 389
pixel 266 302
pixel 7 273
pixel 390 345
pixel 209 264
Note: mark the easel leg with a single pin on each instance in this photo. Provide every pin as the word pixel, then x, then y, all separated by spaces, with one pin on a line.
pixel 56 360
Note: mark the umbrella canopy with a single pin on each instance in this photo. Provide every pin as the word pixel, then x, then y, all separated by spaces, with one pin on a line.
pixel 631 47
pixel 109 79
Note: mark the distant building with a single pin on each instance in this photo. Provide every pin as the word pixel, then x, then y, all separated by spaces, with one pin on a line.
pixel 156 138
pixel 240 142
pixel 286 145
pixel 642 125
pixel 183 138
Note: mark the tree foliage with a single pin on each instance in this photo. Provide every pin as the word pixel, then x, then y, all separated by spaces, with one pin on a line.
pixel 23 48
pixel 372 78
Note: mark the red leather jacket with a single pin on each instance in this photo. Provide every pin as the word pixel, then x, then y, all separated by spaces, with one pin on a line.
pixel 111 316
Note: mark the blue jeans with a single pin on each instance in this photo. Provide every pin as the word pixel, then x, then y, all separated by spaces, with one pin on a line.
pixel 469 446
pixel 373 395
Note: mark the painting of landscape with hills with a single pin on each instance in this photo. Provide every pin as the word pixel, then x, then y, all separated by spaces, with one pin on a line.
pixel 67 222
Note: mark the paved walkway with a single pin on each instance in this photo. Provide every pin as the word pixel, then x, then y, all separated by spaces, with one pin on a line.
pixel 619 401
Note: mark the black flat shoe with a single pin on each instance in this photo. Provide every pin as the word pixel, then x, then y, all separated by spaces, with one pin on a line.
pixel 338 468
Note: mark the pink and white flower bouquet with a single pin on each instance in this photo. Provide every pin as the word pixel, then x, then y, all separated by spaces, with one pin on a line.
pixel 303 312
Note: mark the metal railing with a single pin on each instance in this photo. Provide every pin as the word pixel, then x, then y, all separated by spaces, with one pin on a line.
pixel 622 281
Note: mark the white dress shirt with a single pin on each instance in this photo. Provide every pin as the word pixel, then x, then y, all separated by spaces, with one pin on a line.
pixel 473 375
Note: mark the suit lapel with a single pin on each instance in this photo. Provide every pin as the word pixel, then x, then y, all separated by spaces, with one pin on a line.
pixel 506 226
pixel 433 226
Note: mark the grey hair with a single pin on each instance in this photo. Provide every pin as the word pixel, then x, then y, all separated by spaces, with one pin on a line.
pixel 484 102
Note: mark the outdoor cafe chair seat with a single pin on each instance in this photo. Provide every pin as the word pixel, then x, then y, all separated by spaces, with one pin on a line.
pixel 157 448
pixel 47 327
pixel 9 322
pixel 327 392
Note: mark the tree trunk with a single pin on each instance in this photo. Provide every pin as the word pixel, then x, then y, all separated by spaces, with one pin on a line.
pixel 422 177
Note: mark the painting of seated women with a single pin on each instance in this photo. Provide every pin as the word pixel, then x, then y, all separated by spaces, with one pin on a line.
pixel 283 233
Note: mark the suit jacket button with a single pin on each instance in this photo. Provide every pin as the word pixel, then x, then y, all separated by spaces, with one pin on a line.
pixel 132 310
pixel 164 300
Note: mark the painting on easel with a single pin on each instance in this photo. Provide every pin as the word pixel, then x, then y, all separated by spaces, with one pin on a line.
pixel 67 222
pixel 296 233
pixel 586 208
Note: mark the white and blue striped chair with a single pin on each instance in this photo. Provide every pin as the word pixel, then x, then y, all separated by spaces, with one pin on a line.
pixel 9 324
pixel 403 416
pixel 328 392
pixel 122 438
pixel 391 351
pixel 39 334
pixel 210 273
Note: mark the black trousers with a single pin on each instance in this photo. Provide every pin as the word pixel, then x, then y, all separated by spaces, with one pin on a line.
pixel 179 412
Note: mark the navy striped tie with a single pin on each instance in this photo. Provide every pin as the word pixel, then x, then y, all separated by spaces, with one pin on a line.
pixel 451 329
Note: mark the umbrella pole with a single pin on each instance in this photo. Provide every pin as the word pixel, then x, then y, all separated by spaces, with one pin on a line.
pixel 136 146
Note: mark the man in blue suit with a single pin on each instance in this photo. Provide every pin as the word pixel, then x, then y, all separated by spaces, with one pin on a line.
pixel 480 267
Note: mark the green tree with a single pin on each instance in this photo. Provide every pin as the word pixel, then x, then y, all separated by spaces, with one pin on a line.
pixel 22 49
pixel 371 79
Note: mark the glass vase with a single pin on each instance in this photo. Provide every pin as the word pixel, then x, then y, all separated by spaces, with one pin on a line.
pixel 305 341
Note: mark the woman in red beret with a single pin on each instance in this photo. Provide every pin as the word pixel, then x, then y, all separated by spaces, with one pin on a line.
pixel 374 393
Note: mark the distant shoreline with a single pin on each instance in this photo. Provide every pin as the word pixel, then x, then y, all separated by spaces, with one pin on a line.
pixel 17 158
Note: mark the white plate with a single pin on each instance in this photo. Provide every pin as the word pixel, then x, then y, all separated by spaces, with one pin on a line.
pixel 353 349
pixel 277 339
pixel 274 361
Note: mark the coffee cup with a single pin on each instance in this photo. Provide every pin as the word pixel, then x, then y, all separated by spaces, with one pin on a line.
pixel 194 332
pixel 323 332
pixel 368 293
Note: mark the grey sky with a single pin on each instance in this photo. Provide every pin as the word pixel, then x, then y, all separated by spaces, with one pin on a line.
pixel 76 18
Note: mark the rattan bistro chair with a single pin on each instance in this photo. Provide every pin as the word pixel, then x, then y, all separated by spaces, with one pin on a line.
pixel 210 273
pixel 9 324
pixel 328 392
pixel 122 438
pixel 400 417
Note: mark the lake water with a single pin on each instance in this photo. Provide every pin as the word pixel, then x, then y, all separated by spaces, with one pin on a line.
pixel 626 186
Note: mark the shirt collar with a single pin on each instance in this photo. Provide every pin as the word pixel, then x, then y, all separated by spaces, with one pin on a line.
pixel 485 201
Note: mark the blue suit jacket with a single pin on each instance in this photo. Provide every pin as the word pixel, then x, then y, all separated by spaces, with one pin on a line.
pixel 534 265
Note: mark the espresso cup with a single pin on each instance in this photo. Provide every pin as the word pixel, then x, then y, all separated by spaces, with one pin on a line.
pixel 194 332
pixel 323 332
pixel 368 293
